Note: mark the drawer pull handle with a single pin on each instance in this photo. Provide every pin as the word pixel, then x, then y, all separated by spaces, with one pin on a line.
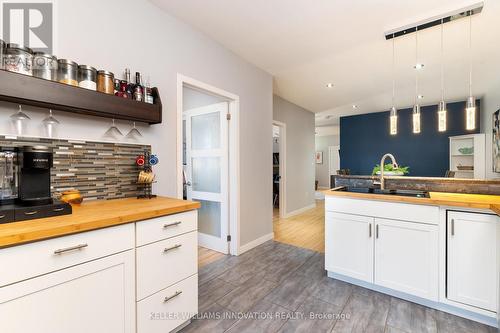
pixel 376 231
pixel 2 216
pixel 71 248
pixel 31 213
pixel 370 230
pixel 453 227
pixel 58 209
pixel 168 298
pixel 174 224
pixel 176 246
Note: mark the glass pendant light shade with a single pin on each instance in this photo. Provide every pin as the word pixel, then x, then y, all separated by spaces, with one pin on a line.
pixel 393 121
pixel 470 113
pixel 442 116
pixel 416 118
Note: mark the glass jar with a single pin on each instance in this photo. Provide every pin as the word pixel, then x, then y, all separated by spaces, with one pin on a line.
pixel 105 82
pixel 2 52
pixel 67 72
pixel 44 66
pixel 87 77
pixel 19 59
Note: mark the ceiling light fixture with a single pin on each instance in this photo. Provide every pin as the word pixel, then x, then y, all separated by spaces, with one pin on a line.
pixel 393 115
pixel 442 104
pixel 470 108
pixel 329 85
pixel 416 107
pixel 354 106
pixel 420 96
pixel 418 66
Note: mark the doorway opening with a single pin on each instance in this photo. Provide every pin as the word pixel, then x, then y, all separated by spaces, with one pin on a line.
pixel 279 170
pixel 208 163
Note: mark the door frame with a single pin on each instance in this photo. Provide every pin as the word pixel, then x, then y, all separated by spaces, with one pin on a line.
pixel 330 171
pixel 234 155
pixel 282 168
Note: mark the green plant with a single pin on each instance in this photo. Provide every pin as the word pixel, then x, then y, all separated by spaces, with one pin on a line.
pixel 389 167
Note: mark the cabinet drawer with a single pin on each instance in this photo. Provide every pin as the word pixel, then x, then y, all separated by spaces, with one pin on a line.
pixel 169 308
pixel 30 260
pixel 164 263
pixel 165 227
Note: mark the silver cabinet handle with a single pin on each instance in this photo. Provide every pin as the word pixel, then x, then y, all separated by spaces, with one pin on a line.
pixel 171 224
pixel 168 298
pixel 2 216
pixel 58 209
pixel 71 248
pixel 188 184
pixel 376 231
pixel 453 227
pixel 369 230
pixel 176 246
pixel 31 213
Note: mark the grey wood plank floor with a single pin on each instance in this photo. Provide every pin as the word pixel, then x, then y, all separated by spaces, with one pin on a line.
pixel 277 287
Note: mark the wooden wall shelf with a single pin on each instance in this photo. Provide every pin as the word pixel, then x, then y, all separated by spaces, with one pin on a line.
pixel 27 90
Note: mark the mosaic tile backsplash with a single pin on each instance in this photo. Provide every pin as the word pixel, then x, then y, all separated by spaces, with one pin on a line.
pixel 99 170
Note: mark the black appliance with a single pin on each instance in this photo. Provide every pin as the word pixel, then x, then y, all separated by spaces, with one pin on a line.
pixel 32 186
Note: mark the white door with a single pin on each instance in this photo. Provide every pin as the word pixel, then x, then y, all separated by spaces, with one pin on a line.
pixel 406 257
pixel 334 159
pixel 96 297
pixel 472 259
pixel 349 245
pixel 207 172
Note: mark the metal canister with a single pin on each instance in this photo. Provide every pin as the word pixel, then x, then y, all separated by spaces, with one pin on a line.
pixel 67 72
pixel 18 59
pixel 105 82
pixel 45 66
pixel 87 77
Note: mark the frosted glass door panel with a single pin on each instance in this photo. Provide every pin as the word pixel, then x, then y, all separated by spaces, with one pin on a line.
pixel 205 131
pixel 209 218
pixel 206 174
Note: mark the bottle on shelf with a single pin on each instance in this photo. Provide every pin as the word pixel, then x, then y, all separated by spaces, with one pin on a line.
pixel 138 89
pixel 148 92
pixel 130 86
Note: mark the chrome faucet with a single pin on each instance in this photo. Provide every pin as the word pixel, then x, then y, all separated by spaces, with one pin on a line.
pixel 382 164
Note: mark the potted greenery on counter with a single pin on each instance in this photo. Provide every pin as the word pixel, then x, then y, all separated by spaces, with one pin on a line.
pixel 390 170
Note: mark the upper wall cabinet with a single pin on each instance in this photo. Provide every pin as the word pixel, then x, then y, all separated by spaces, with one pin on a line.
pixel 27 90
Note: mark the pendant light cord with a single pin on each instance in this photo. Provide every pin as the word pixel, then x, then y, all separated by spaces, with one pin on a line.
pixel 393 71
pixel 416 65
pixel 470 53
pixel 442 61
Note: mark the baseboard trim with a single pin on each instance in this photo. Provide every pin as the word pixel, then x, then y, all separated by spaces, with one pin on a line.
pixel 483 319
pixel 300 210
pixel 255 243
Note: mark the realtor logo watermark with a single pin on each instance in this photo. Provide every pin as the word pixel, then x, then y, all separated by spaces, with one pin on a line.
pixel 29 23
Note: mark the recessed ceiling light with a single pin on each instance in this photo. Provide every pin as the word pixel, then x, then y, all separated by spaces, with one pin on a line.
pixel 328 117
pixel 354 106
pixel 329 85
pixel 420 96
pixel 418 66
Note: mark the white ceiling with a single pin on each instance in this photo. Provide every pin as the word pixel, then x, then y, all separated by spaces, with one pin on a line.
pixel 306 44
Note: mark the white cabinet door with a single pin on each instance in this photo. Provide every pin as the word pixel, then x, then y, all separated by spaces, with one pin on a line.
pixel 96 297
pixel 472 259
pixel 349 245
pixel 406 257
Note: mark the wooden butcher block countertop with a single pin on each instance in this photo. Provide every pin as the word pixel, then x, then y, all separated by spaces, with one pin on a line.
pixel 480 201
pixel 90 216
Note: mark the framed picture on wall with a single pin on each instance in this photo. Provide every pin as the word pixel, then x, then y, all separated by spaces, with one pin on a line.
pixel 496 141
pixel 319 157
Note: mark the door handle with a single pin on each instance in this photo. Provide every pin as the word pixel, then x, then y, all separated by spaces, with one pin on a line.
pixel 188 184
pixel 376 231
pixel 176 246
pixel 58 209
pixel 71 248
pixel 452 227
pixel 31 213
pixel 369 230
pixel 168 298
pixel 172 224
pixel 2 216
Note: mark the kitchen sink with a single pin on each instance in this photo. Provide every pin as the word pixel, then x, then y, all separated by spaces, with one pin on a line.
pixel 372 190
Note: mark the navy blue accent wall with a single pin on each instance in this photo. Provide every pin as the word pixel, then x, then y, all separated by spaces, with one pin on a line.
pixel 365 138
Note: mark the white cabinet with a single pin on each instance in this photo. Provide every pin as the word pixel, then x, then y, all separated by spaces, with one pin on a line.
pixel 406 257
pixel 97 297
pixel 349 245
pixel 472 259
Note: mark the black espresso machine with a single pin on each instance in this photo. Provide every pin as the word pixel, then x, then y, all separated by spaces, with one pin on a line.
pixel 25 191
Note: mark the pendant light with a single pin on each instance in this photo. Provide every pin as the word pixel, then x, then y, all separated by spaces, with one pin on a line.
pixel 416 106
pixel 470 108
pixel 393 117
pixel 442 104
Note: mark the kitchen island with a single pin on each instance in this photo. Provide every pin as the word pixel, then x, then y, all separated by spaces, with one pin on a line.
pixel 126 265
pixel 441 251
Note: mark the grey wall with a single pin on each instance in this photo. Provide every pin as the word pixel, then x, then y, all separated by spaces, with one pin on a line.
pixel 491 103
pixel 161 46
pixel 322 144
pixel 300 170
